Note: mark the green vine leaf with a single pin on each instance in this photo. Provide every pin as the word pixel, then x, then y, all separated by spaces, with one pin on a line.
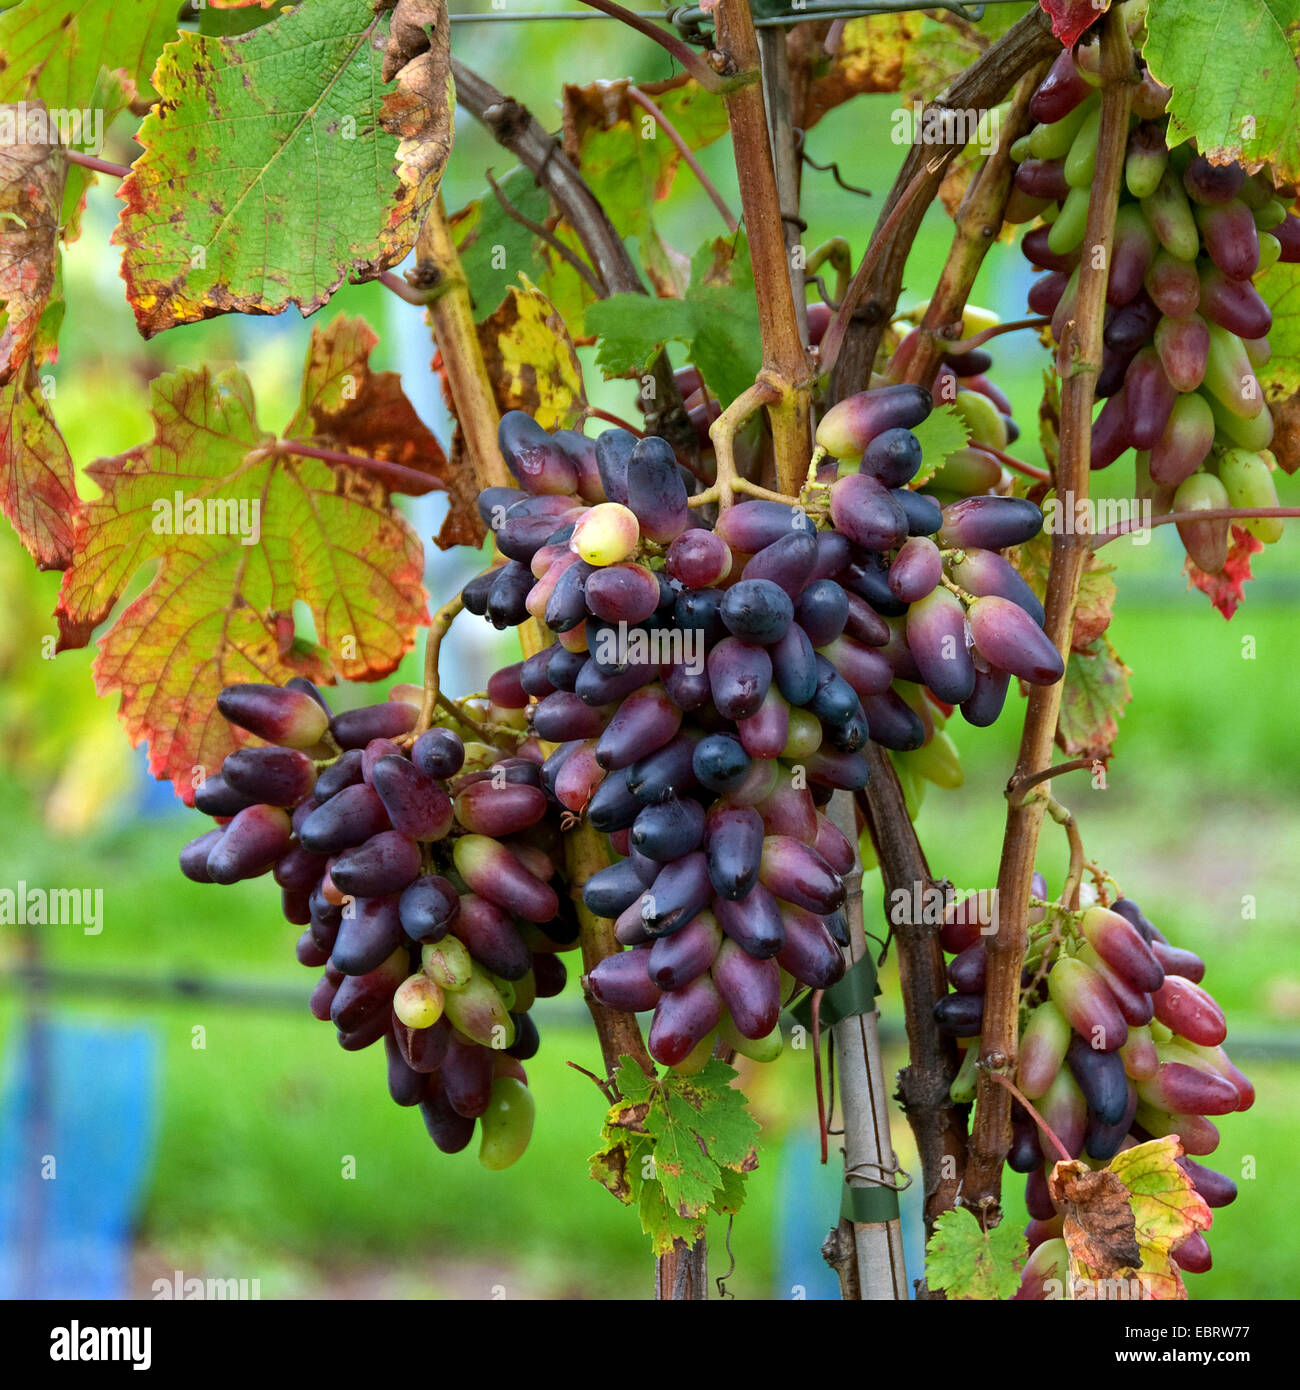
pixel 717 321
pixel 326 181
pixel 1231 65
pixel 676 1147
pixel 54 49
pixel 239 532
pixel 968 1262
pixel 940 434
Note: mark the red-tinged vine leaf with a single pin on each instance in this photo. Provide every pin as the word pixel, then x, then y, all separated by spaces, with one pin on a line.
pixel 38 489
pixel 462 525
pixel 238 533
pixel 531 360
pixel 1092 702
pixel 315 190
pixel 1123 1221
pixel 1070 18
pixel 870 58
pixel 1231 65
pixel 1226 590
pixel 630 164
pixel 54 49
pixel 677 1147
pixel 966 1261
pixel 345 405
pixel 31 201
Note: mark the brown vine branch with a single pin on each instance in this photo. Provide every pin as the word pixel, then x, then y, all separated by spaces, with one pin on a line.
pixel 874 292
pixel 437 267
pixel 1017 786
pixel 774 62
pixel 785 360
pixel 991 1133
pixel 595 283
pixel 514 127
pixel 1209 514
pixel 648 104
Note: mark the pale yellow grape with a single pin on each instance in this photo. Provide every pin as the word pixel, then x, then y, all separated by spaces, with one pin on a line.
pixel 606 535
pixel 418 1002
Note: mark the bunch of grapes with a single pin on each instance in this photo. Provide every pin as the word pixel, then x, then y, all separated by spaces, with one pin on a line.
pixel 709 686
pixel 1185 327
pixel 419 867
pixel 1118 1044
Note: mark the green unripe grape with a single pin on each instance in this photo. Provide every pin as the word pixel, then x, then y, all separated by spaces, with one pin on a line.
pixel 1249 483
pixel 982 418
pixel 698 1057
pixel 506 1126
pixel 480 1013
pixel 805 735
pixel 1053 141
pixel 1071 225
pixel 1271 214
pixel 1081 162
pixel 447 963
pixel 962 1090
pixel 766 1049
pixel 938 761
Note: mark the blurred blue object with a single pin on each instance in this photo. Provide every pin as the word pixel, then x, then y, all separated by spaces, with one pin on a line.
pixel 809 1204
pixel 78 1123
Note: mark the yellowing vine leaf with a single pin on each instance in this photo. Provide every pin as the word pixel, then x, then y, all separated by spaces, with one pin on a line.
pixel 531 360
pixel 870 58
pixel 272 170
pixel 1122 1222
pixel 32 176
pixel 38 490
pixel 1092 702
pixel 236 532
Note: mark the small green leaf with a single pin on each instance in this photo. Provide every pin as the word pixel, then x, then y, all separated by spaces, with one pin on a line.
pixel 1231 65
pixel 676 1147
pixel 967 1262
pixel 941 433
pixel 1279 287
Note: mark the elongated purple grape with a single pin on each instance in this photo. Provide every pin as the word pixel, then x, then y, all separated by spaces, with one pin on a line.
pixel 1184 347
pixel 249 845
pixel 533 456
pixel 1215 1189
pixel 507 600
pixel 1065 1112
pixel 868 578
pixel 1110 431
pixel 428 907
pixel 416 805
pixel 916 570
pixel 386 863
pixel 644 722
pixel 1102 1141
pixel 684 956
pixel 406 1086
pixel 1043 1047
pixel 749 527
pixel 491 937
pixel 959 1015
pixel 349 818
pixel 682 1018
pixel 1190 1011
pixel 842 771
pixel 936 635
pixel 681 890
pixel 757 611
pixel 611 891
pixel 1135 1004
pixel 1060 92
pixel 1009 638
pixel 1174 285
pixel 788 563
pixel 809 953
pixel 1043 178
pixel 370 932
pixel 893 458
pixel 1187 1090
pixel 665 773
pixel 1135 247
pixel 1185 443
pixel 822 610
pixel 847 428
pixel 1176 961
pixel 864 624
pixel 613 453
pixel 750 988
pixel 564 715
pixel 894 723
pixel 599 688
pixel 1045 293
pixel 734 849
pixel 214 796
pixel 794 666
pixel 449 1131
pixel 1212 184
pixel 194 856
pixel 655 490
pixel 1083 998
pixel 866 512
pixel 274 713
pixel 1149 397
pixel 753 922
pixel 1119 943
pixel 985 574
pixel 990 523
pixel 498 810
pixel 1100 1077
pixel 1039 253
pixel 967 970
pixel 990 694
pixel 1231 238
pixel 491 871
pixel 1234 304
pixel 623 982
pixel 796 873
pixel 668 830
pixel 739 676
pixel 624 593
pixel 764 733
pixel 345 771
pixel 273 776
pixel 865 669
pixel 355 728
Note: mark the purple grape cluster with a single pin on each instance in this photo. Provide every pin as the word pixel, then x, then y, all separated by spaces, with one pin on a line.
pixel 419 868
pixel 1119 1044
pixel 1185 326
pixel 712 680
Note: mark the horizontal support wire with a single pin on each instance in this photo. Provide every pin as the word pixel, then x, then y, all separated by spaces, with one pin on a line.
pixel 695 23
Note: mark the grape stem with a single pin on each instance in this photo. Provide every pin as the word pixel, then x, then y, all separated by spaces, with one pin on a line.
pixel 1017 786
pixel 988 334
pixel 100 166
pixel 1074 875
pixel 438 629
pixel 1032 1112
pixel 1019 465
pixel 699 69
pixel 648 105
pixel 1208 514
pixel 723 433
pixel 593 280
pixel 999 1037
pixel 397 475
pixel 595 413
